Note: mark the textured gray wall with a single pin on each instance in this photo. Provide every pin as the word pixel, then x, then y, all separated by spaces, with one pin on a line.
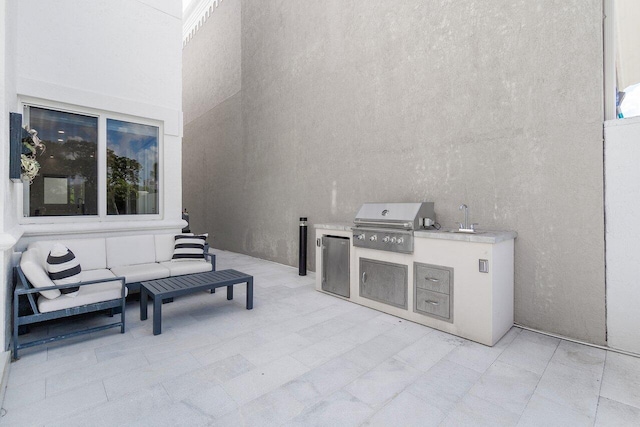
pixel 494 104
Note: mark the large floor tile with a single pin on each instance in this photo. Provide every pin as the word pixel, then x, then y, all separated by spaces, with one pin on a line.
pixel 545 412
pixel 528 353
pixel 149 375
pixel 272 350
pixel 339 409
pixel 271 409
pixel 473 411
pixel 213 401
pixel 580 356
pixel 128 410
pixel 57 408
pixel 444 384
pixel 572 387
pixel 621 379
pixel 407 410
pixel 474 356
pixel 429 350
pixel 60 382
pixel 506 386
pixel 616 414
pixel 373 352
pixel 323 380
pixel 383 382
pixel 264 379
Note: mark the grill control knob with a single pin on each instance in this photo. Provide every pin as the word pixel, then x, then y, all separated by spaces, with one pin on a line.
pixel 393 240
pixel 386 239
pixel 400 240
pixel 373 238
pixel 360 236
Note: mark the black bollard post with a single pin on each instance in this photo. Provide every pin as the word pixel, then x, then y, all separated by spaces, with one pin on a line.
pixel 302 259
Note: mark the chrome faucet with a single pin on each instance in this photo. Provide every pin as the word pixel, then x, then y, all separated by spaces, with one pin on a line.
pixel 466 226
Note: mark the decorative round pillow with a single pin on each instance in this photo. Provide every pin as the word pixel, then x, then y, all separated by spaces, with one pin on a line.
pixel 64 268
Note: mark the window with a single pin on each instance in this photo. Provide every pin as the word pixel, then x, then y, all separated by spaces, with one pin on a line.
pixel 132 168
pixel 67 183
pixel 94 165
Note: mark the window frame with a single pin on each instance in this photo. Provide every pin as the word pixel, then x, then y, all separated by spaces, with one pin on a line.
pixel 102 116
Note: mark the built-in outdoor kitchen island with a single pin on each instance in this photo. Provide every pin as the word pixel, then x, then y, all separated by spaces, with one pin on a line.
pixel 457 282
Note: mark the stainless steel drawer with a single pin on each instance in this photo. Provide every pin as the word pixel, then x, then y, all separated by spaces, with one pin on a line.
pixel 434 303
pixel 433 279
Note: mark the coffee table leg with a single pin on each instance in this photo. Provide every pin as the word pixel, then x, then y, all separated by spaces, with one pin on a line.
pixel 143 303
pixel 250 294
pixel 157 316
pixel 230 292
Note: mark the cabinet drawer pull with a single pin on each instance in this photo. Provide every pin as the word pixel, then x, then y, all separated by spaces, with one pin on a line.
pixel 432 302
pixel 364 277
pixel 431 279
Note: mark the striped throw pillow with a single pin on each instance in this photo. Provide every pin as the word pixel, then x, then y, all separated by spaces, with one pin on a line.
pixel 188 248
pixel 64 268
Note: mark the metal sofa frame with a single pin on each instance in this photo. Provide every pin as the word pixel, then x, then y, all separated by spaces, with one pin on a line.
pixel 23 287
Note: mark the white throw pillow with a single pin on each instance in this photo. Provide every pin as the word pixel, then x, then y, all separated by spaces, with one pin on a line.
pixel 188 248
pixel 64 268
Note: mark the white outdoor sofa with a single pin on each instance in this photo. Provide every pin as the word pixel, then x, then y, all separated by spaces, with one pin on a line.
pixel 111 267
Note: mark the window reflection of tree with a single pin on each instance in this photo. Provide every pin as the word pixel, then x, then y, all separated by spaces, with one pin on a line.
pixel 123 176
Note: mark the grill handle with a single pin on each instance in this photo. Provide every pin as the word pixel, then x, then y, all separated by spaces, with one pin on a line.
pixel 389 224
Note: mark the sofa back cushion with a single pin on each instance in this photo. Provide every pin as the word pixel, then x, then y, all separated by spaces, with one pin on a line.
pixel 32 267
pixel 130 250
pixel 91 253
pixel 164 247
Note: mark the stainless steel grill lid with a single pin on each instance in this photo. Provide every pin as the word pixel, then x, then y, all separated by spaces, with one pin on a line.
pixel 408 216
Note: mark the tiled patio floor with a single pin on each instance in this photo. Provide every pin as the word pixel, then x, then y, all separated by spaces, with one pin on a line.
pixel 304 358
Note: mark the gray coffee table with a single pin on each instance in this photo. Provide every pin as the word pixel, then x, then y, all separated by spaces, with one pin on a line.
pixel 182 285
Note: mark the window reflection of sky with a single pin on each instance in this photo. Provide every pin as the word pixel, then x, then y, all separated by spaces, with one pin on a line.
pixel 53 126
pixel 134 141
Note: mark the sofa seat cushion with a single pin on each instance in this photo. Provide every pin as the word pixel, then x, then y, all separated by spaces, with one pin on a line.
pixel 130 250
pixel 91 253
pixel 88 294
pixel 34 271
pixel 89 275
pixel 140 272
pixel 186 267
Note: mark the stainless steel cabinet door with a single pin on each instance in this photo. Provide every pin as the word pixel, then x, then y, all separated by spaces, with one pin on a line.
pixel 384 282
pixel 335 265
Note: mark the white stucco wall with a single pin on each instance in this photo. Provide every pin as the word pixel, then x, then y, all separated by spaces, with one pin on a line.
pixel 622 204
pixel 115 56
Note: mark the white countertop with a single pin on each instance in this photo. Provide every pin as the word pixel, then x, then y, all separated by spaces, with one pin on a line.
pixel 482 236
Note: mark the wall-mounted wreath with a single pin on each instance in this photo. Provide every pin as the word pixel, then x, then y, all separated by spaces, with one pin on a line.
pixel 34 147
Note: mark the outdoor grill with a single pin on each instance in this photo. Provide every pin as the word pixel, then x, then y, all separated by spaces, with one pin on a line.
pixel 390 226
